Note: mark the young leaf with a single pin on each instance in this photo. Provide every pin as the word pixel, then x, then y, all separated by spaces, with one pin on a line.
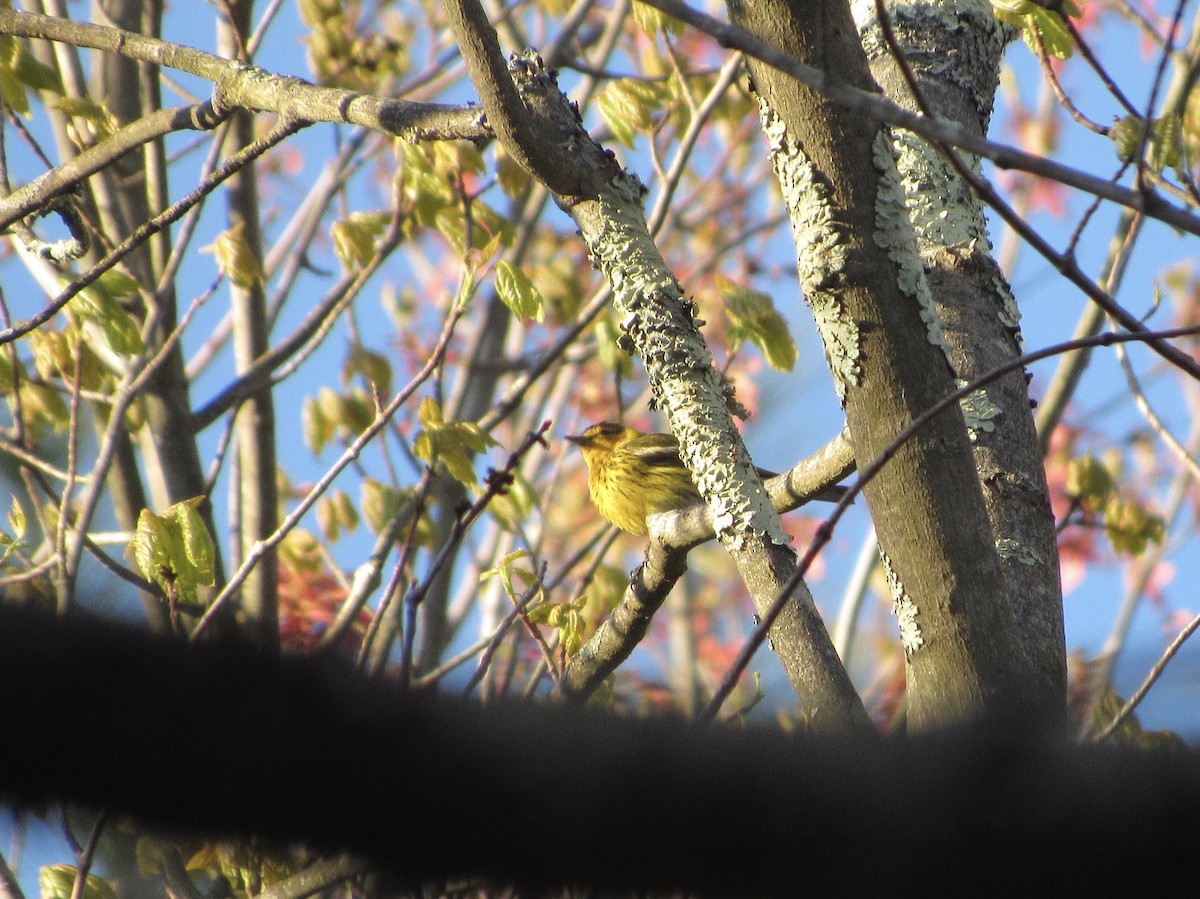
pixel 372 366
pixel 235 259
pixel 379 504
pixel 197 543
pixel 1089 481
pixel 453 444
pixel 518 292
pixel 752 316
pixel 1130 527
pixel 354 238
pixel 175 550
pixel 58 882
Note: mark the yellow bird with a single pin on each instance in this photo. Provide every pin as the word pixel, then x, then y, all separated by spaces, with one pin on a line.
pixel 632 475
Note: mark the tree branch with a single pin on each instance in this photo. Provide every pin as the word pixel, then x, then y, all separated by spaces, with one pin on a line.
pixel 249 87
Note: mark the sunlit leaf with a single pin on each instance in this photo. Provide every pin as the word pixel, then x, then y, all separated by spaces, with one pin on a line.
pixel 453 444
pixel 196 540
pixel 608 347
pixel 100 123
pixel 235 258
pixel 506 568
pixel 753 316
pixel 513 507
pixel 651 20
pixel 512 177
pixel 1130 527
pixel 99 306
pixel 58 882
pixel 518 292
pixel 317 429
pixel 175 550
pixel 373 367
pixel 16 519
pixel 628 106
pixel 34 73
pixel 565 617
pixel 301 552
pixel 379 504
pixel 354 238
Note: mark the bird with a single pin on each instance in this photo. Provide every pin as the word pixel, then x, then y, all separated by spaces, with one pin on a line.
pixel 632 475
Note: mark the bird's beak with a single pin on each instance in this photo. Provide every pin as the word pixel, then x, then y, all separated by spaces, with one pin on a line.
pixel 578 441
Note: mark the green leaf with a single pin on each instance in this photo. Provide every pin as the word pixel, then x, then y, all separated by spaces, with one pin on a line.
pixel 1089 481
pixel 175 550
pixel 1035 20
pixel 99 306
pixel 453 444
pixel 17 522
pixel 373 367
pixel 1166 143
pixel 196 540
pixel 347 414
pixel 101 123
pixel 512 178
pixel 651 20
pixel 565 617
pixel 628 106
pixel 1055 36
pixel 512 507
pixel 34 73
pixel 506 568
pixel 354 238
pixel 752 316
pixel 235 258
pixel 379 504
pixel 518 292
pixel 12 90
pixel 1130 527
pixel 335 514
pixel 1126 133
pixel 58 882
pixel 608 347
pixel 17 525
pixel 41 407
pixel 317 430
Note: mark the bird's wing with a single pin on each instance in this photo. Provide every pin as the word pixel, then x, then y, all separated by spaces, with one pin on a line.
pixel 657 449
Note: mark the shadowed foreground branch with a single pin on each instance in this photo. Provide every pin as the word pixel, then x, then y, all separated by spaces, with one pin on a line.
pixel 226 742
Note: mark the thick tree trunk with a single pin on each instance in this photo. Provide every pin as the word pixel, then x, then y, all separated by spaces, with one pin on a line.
pixel 861 273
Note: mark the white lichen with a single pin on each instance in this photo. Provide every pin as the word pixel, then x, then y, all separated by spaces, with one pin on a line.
pixel 894 234
pixel 979 412
pixel 941 206
pixel 821 249
pixel 905 608
pixel 1009 548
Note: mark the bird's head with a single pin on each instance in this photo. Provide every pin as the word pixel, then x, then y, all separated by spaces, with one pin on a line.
pixel 605 436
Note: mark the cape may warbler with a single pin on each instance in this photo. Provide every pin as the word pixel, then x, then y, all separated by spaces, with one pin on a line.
pixel 632 475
